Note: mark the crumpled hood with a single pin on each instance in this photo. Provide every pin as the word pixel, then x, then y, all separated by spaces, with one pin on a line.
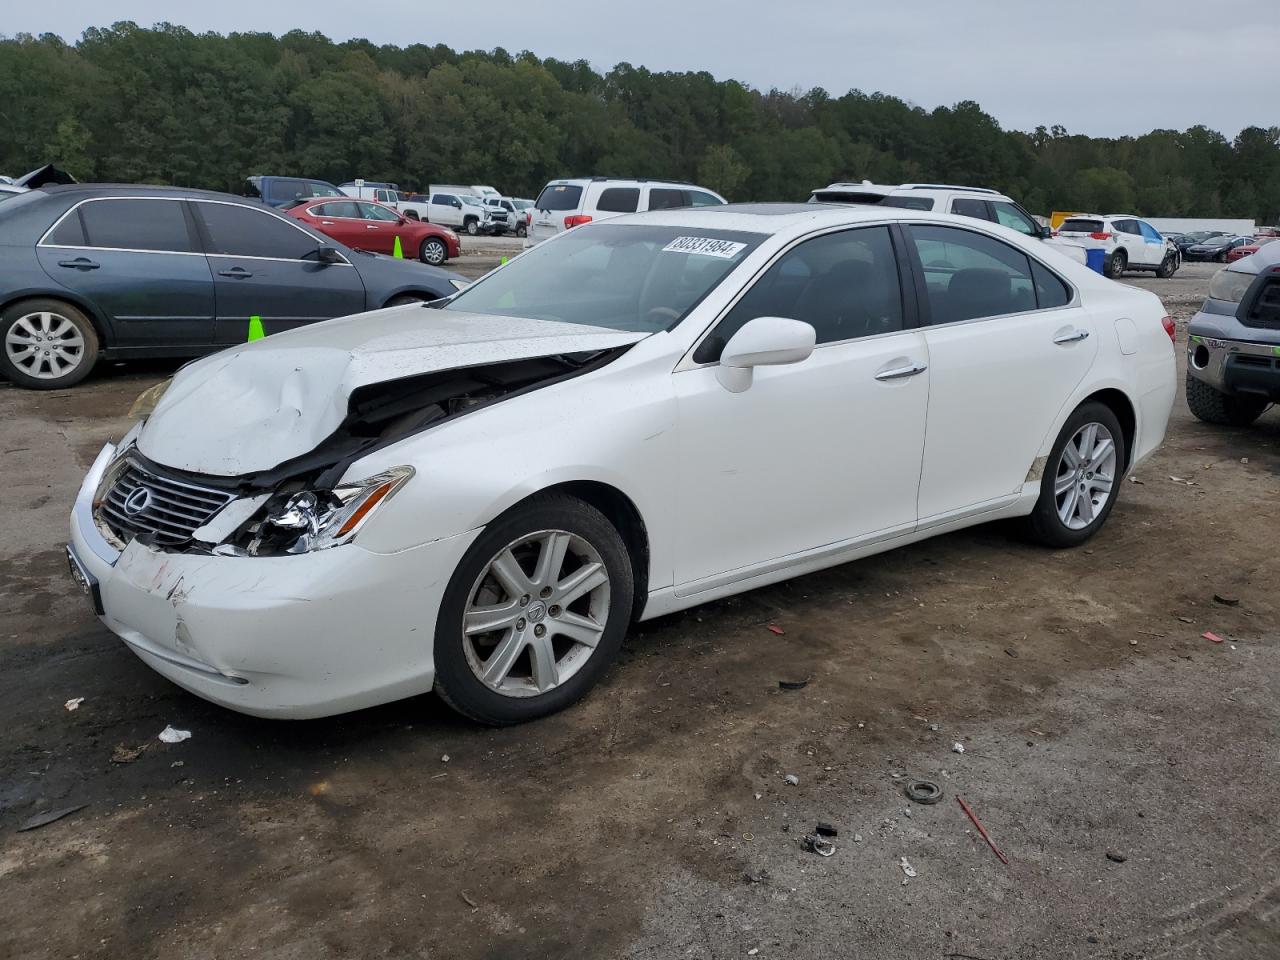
pixel 255 406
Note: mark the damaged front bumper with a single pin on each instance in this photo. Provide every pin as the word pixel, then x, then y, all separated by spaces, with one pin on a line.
pixel 293 637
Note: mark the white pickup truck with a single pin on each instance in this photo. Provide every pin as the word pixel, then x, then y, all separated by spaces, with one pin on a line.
pixel 462 211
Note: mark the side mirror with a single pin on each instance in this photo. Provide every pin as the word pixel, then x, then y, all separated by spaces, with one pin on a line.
pixel 1046 233
pixel 327 254
pixel 763 342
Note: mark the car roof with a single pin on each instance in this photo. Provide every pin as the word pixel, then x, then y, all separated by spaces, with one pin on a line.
pixel 583 181
pixel 82 191
pixel 770 218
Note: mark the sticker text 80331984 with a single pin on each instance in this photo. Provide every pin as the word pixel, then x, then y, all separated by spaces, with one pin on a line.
pixel 705 247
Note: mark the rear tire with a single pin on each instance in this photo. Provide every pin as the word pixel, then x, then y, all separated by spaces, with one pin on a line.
pixel 1116 265
pixel 1221 258
pixel 507 695
pixel 1214 406
pixel 1080 480
pixel 46 344
pixel 521 230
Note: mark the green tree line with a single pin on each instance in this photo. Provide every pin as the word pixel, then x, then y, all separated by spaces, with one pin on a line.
pixel 166 105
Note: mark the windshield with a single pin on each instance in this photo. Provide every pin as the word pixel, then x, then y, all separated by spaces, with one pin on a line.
pixel 471 201
pixel 638 278
pixel 523 204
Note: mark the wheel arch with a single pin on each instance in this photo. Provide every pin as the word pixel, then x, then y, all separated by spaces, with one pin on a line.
pixel 1118 402
pixel 620 510
pixel 100 327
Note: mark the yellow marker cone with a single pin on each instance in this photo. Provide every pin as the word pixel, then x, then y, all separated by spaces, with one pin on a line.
pixel 255 329
pixel 396 251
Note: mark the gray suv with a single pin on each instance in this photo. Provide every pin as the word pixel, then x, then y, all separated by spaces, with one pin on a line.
pixel 1233 343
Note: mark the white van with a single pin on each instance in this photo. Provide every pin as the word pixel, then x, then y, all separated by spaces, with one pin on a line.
pixel 563 204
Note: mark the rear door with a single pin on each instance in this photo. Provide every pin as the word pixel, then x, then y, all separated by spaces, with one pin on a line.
pixel 138 261
pixel 1129 236
pixel 264 265
pixel 556 202
pixel 1008 344
pixel 341 220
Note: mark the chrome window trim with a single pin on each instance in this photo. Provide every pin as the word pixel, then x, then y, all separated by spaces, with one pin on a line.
pixel 687 362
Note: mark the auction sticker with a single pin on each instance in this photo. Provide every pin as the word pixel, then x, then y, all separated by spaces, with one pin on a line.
pixel 705 247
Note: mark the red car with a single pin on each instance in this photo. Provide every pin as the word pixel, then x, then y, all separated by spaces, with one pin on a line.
pixel 365 225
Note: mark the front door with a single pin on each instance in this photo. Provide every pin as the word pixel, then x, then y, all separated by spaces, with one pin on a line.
pixel 264 265
pixel 137 261
pixel 1007 346
pixel 817 453
pixel 381 227
pixel 1152 243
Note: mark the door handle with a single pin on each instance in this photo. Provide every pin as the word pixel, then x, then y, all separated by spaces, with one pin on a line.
pixel 901 373
pixel 236 273
pixel 79 263
pixel 1074 336
pixel 327 223
pixel 370 226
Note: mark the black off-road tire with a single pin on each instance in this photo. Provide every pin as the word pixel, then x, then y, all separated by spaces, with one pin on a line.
pixel 1044 525
pixel 1214 406
pixel 88 355
pixel 457 684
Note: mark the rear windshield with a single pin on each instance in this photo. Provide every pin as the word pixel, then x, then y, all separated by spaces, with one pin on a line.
pixel 1081 226
pixel 845 196
pixel 559 196
pixel 908 203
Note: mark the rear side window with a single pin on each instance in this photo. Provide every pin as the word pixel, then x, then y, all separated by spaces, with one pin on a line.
pixel 244 232
pixel 559 196
pixel 970 275
pixel 69 233
pixel 287 190
pixel 130 224
pixel 665 198
pixel 970 208
pixel 844 284
pixel 699 198
pixel 1077 225
pixel 907 203
pixel 342 209
pixel 1051 291
pixel 619 200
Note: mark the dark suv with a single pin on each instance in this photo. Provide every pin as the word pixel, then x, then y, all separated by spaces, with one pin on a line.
pixel 287 191
pixel 88 271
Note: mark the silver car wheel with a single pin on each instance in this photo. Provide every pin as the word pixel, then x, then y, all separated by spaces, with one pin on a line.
pixel 433 252
pixel 44 345
pixel 536 613
pixel 1086 476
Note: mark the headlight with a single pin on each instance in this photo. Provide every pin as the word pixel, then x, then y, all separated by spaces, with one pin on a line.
pixel 147 399
pixel 308 520
pixel 1229 285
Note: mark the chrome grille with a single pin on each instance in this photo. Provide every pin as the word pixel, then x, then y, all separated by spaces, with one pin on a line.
pixel 170 511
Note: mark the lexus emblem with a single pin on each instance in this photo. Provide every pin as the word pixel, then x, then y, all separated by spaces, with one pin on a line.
pixel 137 501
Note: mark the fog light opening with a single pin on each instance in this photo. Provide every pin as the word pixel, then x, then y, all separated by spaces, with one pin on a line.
pixel 1200 357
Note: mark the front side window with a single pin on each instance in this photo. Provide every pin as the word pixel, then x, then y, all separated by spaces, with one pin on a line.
pixel 970 208
pixel 1150 233
pixel 128 224
pixel 371 211
pixel 665 198
pixel 245 232
pixel 845 285
pixel 639 278
pixel 1009 215
pixel 619 200
pixel 970 275
pixel 445 199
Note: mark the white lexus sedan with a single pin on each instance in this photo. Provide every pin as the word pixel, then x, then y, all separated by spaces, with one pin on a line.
pixel 478 496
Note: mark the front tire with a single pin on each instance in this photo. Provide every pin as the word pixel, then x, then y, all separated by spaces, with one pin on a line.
pixel 1168 267
pixel 535 612
pixel 433 251
pixel 47 344
pixel 1081 478
pixel 472 227
pixel 1116 265
pixel 1214 406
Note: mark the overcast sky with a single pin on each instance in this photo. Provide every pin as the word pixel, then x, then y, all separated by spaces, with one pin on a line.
pixel 1101 68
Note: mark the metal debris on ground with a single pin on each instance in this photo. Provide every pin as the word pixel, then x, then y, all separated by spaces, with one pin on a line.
pixel 1184 480
pixel 1135 480
pixel 1210 635
pixel 468 901
pixel 753 951
pixel 819 845
pixel 923 791
pixel 774 628
pixel 1116 857
pixel 73 703
pixel 50 816
pixel 793 684
pixel 982 830
pixel 1225 600
pixel 792 779
pixel 444 758
pixel 826 830
pixel 1187 619
pixel 907 868
pixel 173 735
pixel 957 748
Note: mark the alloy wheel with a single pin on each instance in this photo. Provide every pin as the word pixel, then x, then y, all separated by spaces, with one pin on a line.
pixel 1086 476
pixel 536 613
pixel 433 252
pixel 44 345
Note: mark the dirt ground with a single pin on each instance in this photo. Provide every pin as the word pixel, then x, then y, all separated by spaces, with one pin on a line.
pixel 653 820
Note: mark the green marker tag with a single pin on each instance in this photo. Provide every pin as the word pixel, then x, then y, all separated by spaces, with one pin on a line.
pixel 255 329
pixel 1276 351
pixel 504 262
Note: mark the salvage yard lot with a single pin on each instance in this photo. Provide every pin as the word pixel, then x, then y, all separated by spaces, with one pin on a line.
pixel 653 820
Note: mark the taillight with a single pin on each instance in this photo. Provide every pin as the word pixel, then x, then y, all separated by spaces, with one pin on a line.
pixel 577 220
pixel 1169 328
pixel 1053 233
pixel 1099 236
